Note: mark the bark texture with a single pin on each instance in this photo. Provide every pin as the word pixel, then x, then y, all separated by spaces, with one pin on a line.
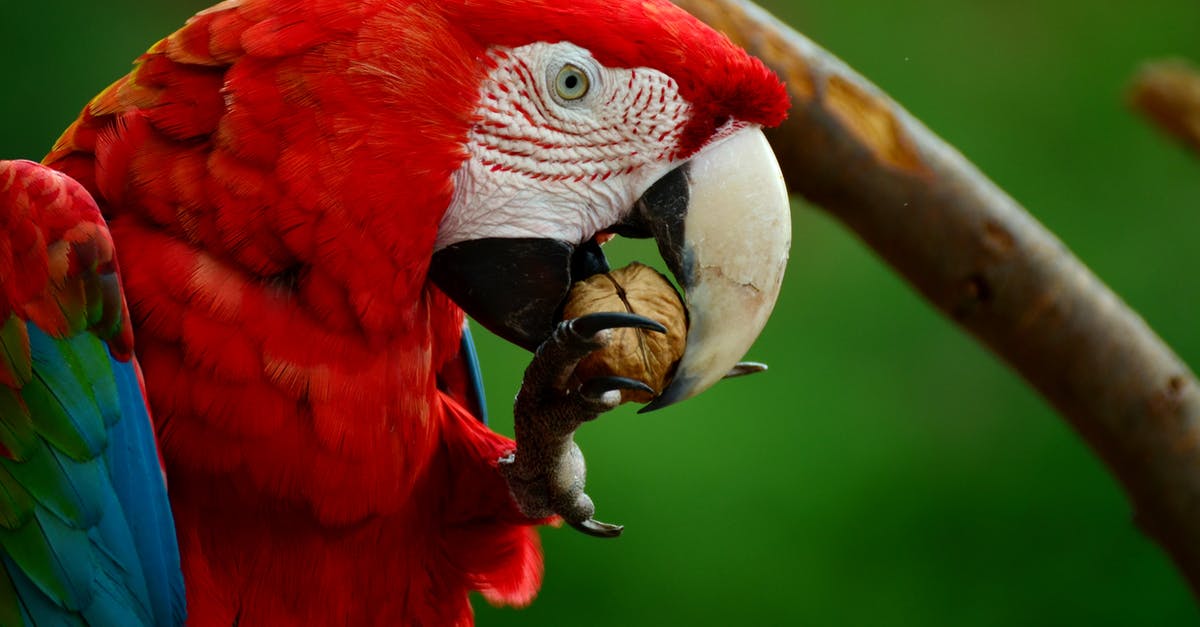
pixel 1167 93
pixel 985 262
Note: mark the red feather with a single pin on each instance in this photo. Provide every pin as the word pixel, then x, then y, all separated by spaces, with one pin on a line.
pixel 274 174
pixel 57 260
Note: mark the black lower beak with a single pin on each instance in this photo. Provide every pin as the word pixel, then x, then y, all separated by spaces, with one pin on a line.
pixel 515 287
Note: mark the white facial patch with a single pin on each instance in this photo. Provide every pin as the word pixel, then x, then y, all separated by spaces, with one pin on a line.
pixel 562 146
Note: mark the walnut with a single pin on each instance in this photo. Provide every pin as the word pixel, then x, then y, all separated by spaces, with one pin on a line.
pixel 646 356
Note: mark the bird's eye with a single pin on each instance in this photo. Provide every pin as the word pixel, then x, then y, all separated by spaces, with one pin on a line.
pixel 572 83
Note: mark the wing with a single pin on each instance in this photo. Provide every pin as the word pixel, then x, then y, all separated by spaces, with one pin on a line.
pixel 86 535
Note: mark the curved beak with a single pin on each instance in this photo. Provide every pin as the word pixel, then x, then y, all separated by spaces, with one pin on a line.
pixel 723 226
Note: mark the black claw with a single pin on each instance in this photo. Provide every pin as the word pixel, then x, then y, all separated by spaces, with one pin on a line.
pixel 744 368
pixel 598 529
pixel 596 387
pixel 591 324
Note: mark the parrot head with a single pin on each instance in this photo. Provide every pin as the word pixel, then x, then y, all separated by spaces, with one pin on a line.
pixel 616 118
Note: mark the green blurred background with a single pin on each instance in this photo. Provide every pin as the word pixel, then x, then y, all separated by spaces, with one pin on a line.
pixel 887 471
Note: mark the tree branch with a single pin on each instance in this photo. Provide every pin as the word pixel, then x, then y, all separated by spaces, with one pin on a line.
pixel 1168 94
pixel 977 255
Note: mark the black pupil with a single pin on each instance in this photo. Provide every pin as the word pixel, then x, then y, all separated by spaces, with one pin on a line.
pixel 571 81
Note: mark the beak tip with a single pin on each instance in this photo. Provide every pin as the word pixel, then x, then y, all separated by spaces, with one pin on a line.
pixel 679 389
pixel 653 405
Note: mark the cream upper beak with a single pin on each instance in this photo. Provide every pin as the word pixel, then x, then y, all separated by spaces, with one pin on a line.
pixel 736 236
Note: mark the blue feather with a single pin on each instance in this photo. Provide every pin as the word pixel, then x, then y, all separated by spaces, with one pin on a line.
pixel 138 478
pixel 59 380
pixel 102 522
pixel 36 609
pixel 475 400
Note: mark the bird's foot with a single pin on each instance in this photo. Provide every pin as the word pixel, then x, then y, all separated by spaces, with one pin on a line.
pixel 546 474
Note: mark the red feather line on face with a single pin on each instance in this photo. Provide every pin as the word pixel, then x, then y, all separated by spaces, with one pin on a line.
pixel 516 134
pixel 719 79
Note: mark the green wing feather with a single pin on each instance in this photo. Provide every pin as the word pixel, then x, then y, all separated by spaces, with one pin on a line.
pixel 78 466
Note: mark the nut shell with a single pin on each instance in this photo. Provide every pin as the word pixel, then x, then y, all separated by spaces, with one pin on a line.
pixel 646 356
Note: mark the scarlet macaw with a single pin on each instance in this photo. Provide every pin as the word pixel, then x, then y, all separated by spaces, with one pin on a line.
pixel 305 196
